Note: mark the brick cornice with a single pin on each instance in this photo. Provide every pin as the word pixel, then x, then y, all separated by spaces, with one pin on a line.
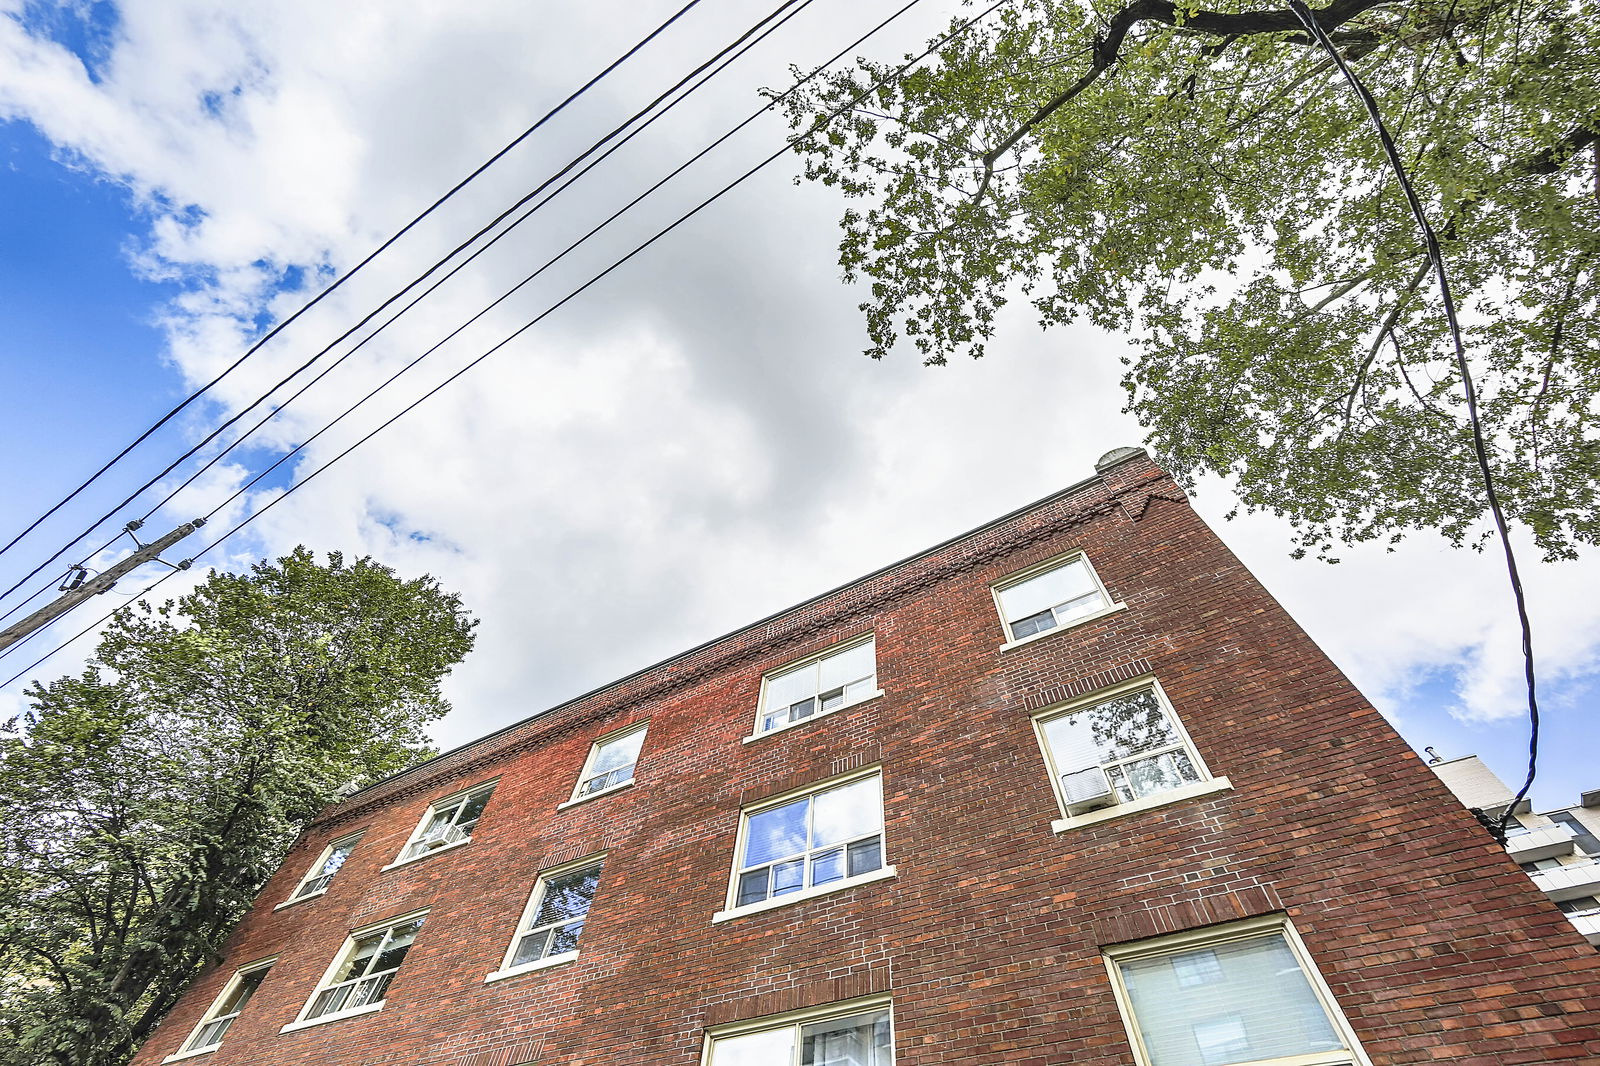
pixel 836 609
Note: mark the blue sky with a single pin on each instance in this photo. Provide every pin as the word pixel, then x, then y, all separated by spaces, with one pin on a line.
pixel 168 170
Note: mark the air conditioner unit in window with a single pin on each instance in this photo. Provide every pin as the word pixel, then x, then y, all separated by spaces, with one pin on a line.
pixel 1085 790
pixel 454 835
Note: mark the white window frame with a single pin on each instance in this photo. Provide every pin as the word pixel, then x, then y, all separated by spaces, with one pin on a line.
pixel 211 1017
pixel 794 1019
pixel 300 895
pixel 1109 605
pixel 1206 785
pixel 584 775
pixel 731 907
pixel 1212 936
pixel 325 982
pixel 529 912
pixel 461 797
pixel 809 661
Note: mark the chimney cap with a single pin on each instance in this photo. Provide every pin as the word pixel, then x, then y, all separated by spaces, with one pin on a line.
pixel 1115 456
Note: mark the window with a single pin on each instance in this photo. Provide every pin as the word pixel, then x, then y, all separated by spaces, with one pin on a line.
pixel 1582 907
pixel 1122 747
pixel 1059 594
pixel 1540 864
pixel 1244 993
pixel 858 1038
pixel 359 978
pixel 811 843
pixel 553 921
pixel 320 876
pixel 836 678
pixel 228 1006
pixel 611 762
pixel 449 821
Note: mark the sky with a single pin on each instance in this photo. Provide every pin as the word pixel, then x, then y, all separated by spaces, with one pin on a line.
pixel 692 443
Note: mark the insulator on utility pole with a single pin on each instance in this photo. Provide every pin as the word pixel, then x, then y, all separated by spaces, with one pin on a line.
pixel 101 582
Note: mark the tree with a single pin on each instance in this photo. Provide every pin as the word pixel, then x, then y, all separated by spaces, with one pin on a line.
pixel 1200 177
pixel 148 798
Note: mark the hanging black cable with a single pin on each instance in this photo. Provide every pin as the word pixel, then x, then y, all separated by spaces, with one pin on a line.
pixel 401 293
pixel 816 127
pixel 347 275
pixel 1480 449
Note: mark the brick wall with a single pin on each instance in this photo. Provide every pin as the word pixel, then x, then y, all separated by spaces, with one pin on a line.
pixel 989 937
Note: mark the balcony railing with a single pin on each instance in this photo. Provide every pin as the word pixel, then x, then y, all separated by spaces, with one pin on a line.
pixel 1539 842
pixel 1569 882
pixel 1588 925
pixel 348 995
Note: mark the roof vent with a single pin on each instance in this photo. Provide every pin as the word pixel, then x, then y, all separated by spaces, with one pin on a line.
pixel 1115 456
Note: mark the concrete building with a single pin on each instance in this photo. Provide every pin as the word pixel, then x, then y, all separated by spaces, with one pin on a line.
pixel 1068 788
pixel 1559 850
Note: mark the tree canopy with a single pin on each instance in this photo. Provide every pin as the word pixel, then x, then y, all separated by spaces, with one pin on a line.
pixel 1202 178
pixel 147 799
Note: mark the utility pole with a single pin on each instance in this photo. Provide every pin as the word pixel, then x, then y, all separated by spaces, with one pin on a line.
pixel 101 582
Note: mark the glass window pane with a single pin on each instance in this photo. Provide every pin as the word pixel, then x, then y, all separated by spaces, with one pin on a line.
pixel 236 1000
pixel 566 938
pixel 865 857
pixel 776 833
pixel 622 751
pixel 473 808
pixel 1077 608
pixel 792 687
pixel 772 1048
pixel 400 938
pixel 531 948
pixel 1130 724
pixel 567 896
pixel 1072 743
pixel 859 1040
pixel 753 886
pixel 361 953
pixel 788 877
pixel 1047 590
pixel 1261 1006
pixel 849 665
pixel 851 811
pixel 1159 773
pixel 827 867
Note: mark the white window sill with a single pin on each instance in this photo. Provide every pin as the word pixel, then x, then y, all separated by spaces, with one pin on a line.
pixel 882 874
pixel 1119 810
pixel 528 967
pixel 1074 624
pixel 341 1016
pixel 426 855
pixel 812 717
pixel 302 899
pixel 608 790
pixel 196 1053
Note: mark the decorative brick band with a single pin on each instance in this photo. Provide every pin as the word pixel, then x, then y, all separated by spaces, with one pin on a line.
pixel 865 982
pixel 514 1055
pixel 1187 914
pixel 1104 679
pixel 570 853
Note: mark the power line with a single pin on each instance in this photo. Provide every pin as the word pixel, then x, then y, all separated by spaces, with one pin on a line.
pixel 816 127
pixel 1480 449
pixel 164 419
pixel 408 287
pixel 725 63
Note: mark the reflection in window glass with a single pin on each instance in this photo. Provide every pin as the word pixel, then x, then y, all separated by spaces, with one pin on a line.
pixel 1126 746
pixel 557 919
pixel 449 821
pixel 369 965
pixel 611 762
pixel 812 841
pixel 861 1039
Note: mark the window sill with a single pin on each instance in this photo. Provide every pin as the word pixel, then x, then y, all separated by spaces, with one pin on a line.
pixel 302 899
pixel 529 967
pixel 341 1016
pixel 426 855
pixel 196 1053
pixel 795 897
pixel 868 698
pixel 1069 627
pixel 595 795
pixel 1149 803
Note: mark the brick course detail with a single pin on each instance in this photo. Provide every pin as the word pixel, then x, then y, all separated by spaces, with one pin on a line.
pixel 988 939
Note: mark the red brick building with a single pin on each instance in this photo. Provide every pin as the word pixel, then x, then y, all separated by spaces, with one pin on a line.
pixel 1069 788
